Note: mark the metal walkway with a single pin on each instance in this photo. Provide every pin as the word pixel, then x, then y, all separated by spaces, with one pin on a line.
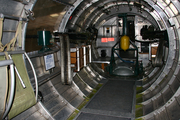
pixel 114 101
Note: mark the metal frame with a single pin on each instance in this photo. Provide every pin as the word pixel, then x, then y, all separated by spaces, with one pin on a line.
pixel 34 72
pixel 6 62
pixel 78 61
pixel 67 15
pixel 96 13
pixel 13 17
pixel 89 53
pixel 30 7
pixel 112 62
pixel 65 3
pixel 84 55
pixel 12 88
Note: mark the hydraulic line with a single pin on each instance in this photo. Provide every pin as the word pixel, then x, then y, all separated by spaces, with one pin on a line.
pixel 122 59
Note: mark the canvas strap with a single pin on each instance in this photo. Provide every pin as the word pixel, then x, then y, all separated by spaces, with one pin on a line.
pixel 11 44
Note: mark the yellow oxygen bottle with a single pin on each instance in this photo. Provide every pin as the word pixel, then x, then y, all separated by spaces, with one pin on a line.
pixel 125 42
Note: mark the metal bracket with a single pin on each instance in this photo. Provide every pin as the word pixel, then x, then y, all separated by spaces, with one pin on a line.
pixel 30 14
pixel 1 15
pixel 12 17
pixel 25 2
pixel 65 3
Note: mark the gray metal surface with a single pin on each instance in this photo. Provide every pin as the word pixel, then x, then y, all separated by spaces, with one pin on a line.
pixel 83 87
pixel 67 15
pixel 93 74
pixel 113 101
pixel 5 62
pixel 123 8
pixel 123 71
pixel 94 51
pixel 97 68
pixel 37 112
pixel 71 95
pixel 39 65
pixel 165 16
pixel 13 11
pixel 34 73
pixel 161 84
pixel 58 106
pixel 66 75
pixel 169 111
pixel 3 90
pixel 151 78
pixel 86 78
pixel 93 11
pixel 157 77
pixel 16 7
pixel 69 92
pixel 161 96
pixel 102 60
pixel 158 62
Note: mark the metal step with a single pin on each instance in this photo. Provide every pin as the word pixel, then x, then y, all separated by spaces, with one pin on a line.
pixel 68 92
pixel 93 74
pixel 99 70
pixel 87 79
pixel 37 112
pixel 173 110
pixel 82 86
pixel 162 116
pixel 56 104
pixel 148 108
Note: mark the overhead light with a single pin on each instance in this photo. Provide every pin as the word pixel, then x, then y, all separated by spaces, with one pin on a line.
pixel 62 13
pixel 153 56
pixel 54 15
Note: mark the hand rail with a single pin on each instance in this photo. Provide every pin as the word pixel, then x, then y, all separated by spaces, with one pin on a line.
pixel 137 62
pixel 6 62
pixel 13 17
pixel 11 96
pixel 115 44
pixel 112 53
pixel 34 72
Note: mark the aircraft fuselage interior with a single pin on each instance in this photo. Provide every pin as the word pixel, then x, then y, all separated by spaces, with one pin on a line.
pixel 89 60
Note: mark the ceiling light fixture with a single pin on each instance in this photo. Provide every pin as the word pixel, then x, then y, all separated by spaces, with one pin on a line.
pixel 54 15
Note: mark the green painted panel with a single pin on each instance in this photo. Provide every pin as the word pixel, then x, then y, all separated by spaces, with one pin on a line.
pixel 24 98
pixel 3 89
pixel 2 58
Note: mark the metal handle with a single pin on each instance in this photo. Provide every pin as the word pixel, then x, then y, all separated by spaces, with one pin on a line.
pixel 34 72
pixel 5 62
pixel 11 97
pixel 12 17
